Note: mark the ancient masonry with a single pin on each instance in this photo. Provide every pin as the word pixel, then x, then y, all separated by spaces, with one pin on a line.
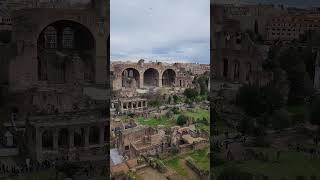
pixel 154 74
pixel 57 74
pixel 234 56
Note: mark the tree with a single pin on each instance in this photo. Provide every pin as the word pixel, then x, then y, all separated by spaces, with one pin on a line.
pixel 256 101
pixel 190 93
pixel 297 62
pixel 169 99
pixel 175 99
pixel 182 119
pixel 203 81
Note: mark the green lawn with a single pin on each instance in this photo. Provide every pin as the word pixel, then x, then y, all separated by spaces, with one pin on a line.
pixel 197 114
pixel 291 164
pixel 175 164
pixel 155 122
pixel 201 158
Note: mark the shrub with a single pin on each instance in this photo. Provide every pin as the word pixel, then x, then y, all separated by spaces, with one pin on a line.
pixel 256 101
pixel 175 99
pixel 182 119
pixel 190 93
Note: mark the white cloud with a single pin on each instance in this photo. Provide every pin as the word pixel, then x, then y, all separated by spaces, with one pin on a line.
pixel 165 29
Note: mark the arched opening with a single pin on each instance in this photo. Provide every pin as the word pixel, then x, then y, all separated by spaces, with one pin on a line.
pixel 131 78
pixel 225 68
pixel 236 70
pixel 79 137
pixel 66 53
pixel 169 78
pixel 47 140
pixel 151 77
pixel 63 139
pixel 94 135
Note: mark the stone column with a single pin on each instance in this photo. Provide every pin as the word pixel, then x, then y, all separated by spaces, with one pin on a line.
pixel 71 138
pixel 56 139
pixel 160 81
pixel 101 138
pixel 141 80
pixel 86 136
pixel 121 107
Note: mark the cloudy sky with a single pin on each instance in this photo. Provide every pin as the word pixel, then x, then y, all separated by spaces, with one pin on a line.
pixel 165 30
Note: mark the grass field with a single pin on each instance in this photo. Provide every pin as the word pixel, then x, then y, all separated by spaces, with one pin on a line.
pixel 155 122
pixel 175 164
pixel 291 165
pixel 201 158
pixel 197 114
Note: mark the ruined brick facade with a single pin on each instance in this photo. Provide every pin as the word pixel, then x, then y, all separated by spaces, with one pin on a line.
pixel 56 72
pixel 154 74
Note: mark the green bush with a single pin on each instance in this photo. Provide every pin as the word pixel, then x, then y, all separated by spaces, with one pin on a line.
pixel 176 99
pixel 191 93
pixel 175 110
pixel 182 119
pixel 256 100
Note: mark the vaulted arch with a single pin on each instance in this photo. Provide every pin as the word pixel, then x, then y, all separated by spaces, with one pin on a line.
pixel 151 77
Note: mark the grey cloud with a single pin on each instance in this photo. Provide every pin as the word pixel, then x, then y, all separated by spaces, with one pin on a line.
pixel 176 29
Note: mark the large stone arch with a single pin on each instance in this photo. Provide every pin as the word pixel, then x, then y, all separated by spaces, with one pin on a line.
pixel 130 77
pixel 169 77
pixel 29 23
pixel 61 63
pixel 151 77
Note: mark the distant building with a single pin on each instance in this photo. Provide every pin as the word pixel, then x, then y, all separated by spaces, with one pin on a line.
pixel 290 27
pixel 234 56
